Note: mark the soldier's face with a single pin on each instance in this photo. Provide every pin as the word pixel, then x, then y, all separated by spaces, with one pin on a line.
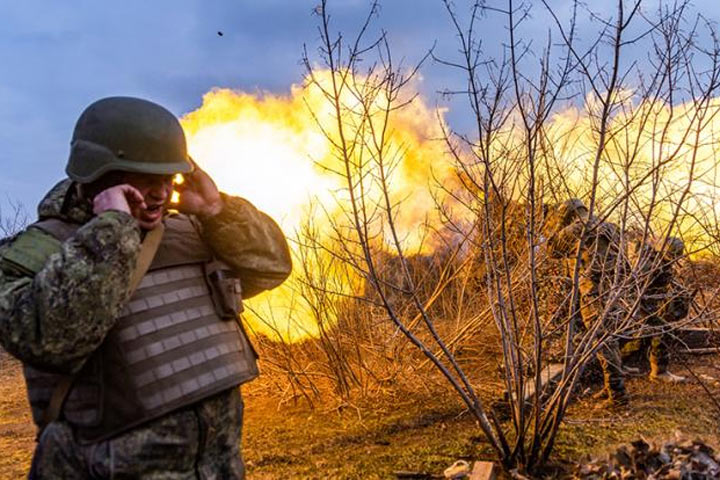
pixel 156 190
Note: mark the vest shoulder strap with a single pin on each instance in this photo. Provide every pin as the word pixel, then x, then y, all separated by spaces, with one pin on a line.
pixel 57 228
pixel 148 249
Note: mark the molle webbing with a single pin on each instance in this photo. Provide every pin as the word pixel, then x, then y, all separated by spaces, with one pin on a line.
pixel 175 346
pixel 169 348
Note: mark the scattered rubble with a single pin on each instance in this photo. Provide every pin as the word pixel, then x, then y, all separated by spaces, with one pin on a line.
pixel 679 460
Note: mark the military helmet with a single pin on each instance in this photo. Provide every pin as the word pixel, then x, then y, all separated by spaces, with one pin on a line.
pixel 126 134
pixel 675 247
pixel 571 210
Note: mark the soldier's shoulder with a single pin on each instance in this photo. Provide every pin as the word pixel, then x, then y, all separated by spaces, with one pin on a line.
pixel 26 252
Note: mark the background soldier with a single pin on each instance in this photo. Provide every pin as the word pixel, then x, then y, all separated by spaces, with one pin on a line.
pixel 554 289
pixel 126 318
pixel 600 257
pixel 662 300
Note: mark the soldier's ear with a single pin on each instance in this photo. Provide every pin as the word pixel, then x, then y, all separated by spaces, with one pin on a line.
pixel 110 179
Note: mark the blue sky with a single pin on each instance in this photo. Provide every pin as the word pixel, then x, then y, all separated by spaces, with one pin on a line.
pixel 57 57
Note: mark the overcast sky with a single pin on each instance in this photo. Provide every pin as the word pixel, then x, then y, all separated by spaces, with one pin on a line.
pixel 57 57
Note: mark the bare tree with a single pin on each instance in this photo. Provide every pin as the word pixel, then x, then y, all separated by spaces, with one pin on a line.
pixel 14 221
pixel 580 118
pixel 363 100
pixel 520 154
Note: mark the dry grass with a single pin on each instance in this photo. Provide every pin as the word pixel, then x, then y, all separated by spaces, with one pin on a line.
pixel 423 431
pixel 17 433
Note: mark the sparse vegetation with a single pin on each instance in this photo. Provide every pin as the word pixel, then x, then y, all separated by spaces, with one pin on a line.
pixel 429 342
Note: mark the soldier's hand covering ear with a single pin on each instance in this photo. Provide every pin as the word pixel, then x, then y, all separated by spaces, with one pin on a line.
pixel 198 194
pixel 123 197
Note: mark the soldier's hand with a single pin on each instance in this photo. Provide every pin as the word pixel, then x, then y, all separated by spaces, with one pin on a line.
pixel 198 194
pixel 124 198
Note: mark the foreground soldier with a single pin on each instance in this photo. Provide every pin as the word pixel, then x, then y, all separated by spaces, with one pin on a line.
pixel 600 250
pixel 125 318
pixel 662 301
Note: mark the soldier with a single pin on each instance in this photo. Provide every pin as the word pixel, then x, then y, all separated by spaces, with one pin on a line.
pixel 125 316
pixel 600 257
pixel 554 286
pixel 662 300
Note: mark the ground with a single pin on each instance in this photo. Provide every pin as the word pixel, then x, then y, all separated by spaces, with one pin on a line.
pixel 419 432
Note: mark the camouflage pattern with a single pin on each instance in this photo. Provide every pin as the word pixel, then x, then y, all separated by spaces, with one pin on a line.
pixel 662 300
pixel 570 210
pixel 593 307
pixel 57 318
pixel 251 243
pixel 198 442
pixel 86 283
pixel 600 260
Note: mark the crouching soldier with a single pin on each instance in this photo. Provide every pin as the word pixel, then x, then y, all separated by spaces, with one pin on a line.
pixel 126 316
pixel 600 256
pixel 662 301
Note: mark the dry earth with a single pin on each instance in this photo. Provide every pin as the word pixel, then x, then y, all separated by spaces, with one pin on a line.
pixel 421 432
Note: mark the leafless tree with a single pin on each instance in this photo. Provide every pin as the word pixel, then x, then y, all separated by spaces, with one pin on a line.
pixel 582 117
pixel 520 153
pixel 13 221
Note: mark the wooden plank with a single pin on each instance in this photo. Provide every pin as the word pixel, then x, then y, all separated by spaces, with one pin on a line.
pixel 551 373
pixel 696 337
pixel 483 471
pixel 701 351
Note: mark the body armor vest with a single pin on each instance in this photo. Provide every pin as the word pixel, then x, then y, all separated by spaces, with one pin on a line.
pixel 177 341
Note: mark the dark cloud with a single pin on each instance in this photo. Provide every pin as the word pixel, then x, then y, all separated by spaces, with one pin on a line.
pixel 57 57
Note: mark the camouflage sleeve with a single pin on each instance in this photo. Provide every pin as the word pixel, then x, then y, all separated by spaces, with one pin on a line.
pixel 251 243
pixel 57 318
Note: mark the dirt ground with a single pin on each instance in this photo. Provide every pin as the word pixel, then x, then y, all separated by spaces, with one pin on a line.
pixel 420 432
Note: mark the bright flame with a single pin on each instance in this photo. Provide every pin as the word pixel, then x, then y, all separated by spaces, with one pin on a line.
pixel 178 179
pixel 270 150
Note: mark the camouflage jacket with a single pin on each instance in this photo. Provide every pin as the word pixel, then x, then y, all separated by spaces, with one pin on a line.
pixel 54 319
pixel 600 250
pixel 661 294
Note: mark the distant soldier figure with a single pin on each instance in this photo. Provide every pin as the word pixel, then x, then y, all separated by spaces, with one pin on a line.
pixel 662 300
pixel 125 315
pixel 554 285
pixel 600 257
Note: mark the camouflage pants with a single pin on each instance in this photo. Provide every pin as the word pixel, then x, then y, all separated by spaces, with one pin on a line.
pixel 656 349
pixel 592 308
pixel 197 442
pixel 655 345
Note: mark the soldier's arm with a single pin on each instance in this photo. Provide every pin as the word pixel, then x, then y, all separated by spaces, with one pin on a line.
pixel 251 243
pixel 55 317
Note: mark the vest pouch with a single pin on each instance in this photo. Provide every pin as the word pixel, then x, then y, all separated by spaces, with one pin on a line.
pixel 225 290
pixel 226 293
